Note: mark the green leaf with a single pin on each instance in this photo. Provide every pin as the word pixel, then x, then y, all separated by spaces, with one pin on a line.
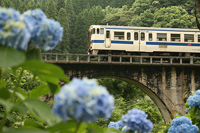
pixel 33 54
pixel 53 88
pixel 32 123
pixel 9 116
pixel 63 126
pixel 93 128
pixel 179 114
pixel 4 93
pixel 21 109
pixel 39 91
pixel 2 84
pixel 21 91
pixel 27 131
pixel 42 68
pixel 41 111
pixel 10 57
pixel 8 105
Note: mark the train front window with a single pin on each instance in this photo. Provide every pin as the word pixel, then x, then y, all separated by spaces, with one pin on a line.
pixel 93 31
pixel 189 37
pixel 150 36
pixel 136 36
pixel 161 36
pixel 128 36
pixel 119 35
pixel 97 30
pixel 102 31
pixel 142 36
pixel 175 37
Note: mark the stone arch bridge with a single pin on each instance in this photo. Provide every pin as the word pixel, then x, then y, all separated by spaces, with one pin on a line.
pixel 165 80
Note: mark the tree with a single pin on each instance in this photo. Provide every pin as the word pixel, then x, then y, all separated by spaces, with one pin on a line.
pixel 145 19
pixel 44 6
pixel 173 17
pixel 51 10
pixel 121 18
pixel 2 4
pixel 71 19
pixel 12 5
pixel 64 44
pixel 80 34
pixel 22 8
pixel 16 3
pixel 139 6
pixel 60 4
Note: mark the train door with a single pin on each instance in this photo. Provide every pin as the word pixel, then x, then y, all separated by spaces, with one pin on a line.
pixel 108 39
pixel 139 41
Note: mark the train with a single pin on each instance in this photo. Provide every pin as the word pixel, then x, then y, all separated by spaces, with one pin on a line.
pixel 147 41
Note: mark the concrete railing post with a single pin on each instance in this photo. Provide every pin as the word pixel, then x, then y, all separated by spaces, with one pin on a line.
pixel 191 60
pixel 56 57
pixel 109 58
pixel 45 57
pixel 77 60
pixel 88 58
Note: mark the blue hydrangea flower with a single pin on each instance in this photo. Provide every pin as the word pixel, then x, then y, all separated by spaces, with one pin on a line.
pixel 194 100
pixel 33 19
pixel 120 124
pixel 48 34
pixel 113 125
pixel 15 35
pixel 197 92
pixel 182 125
pixel 136 120
pixel 83 100
pixel 8 14
pixel 125 129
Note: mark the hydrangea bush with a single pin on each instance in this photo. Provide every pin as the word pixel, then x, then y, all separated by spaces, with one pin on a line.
pixel 190 123
pixel 182 125
pixel 83 100
pixel 134 121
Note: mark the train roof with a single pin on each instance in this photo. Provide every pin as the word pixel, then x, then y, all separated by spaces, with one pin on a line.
pixel 146 28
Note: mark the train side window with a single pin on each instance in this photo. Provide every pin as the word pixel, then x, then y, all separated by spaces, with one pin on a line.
pixel 119 35
pixel 142 36
pixel 93 31
pixel 97 30
pixel 128 36
pixel 102 31
pixel 107 34
pixel 176 37
pixel 198 38
pixel 150 36
pixel 161 36
pixel 136 36
pixel 189 37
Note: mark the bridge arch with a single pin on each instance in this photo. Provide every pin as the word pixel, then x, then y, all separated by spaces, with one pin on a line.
pixel 166 114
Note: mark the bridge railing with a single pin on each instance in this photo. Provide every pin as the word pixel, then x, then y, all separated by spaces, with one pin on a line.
pixel 119 59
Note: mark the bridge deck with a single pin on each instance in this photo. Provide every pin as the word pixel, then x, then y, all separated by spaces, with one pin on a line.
pixel 120 59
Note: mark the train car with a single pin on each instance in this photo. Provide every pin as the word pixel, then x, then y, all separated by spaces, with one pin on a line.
pixel 105 39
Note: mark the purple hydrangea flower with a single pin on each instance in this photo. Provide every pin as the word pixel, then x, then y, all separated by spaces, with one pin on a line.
pixel 83 100
pixel 113 125
pixel 136 120
pixel 182 125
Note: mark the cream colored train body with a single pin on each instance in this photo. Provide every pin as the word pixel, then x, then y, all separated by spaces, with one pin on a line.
pixel 105 39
